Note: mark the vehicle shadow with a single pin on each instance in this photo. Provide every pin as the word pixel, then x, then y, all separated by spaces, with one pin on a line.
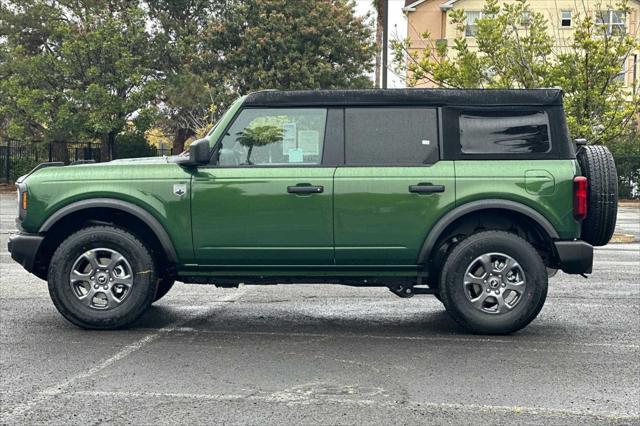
pixel 243 319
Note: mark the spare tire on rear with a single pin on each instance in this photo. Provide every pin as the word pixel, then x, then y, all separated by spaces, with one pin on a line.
pixel 599 168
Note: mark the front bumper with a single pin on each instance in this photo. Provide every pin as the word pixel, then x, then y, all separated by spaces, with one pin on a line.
pixel 575 257
pixel 24 249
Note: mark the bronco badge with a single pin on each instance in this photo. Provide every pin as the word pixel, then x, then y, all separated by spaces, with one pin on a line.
pixel 180 189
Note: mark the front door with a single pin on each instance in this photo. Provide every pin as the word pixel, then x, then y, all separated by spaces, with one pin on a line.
pixel 393 186
pixel 268 200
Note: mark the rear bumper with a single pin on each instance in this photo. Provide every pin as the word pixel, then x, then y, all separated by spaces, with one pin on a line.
pixel 575 257
pixel 24 249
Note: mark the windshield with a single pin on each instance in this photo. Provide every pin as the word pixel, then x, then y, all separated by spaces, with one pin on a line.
pixel 213 135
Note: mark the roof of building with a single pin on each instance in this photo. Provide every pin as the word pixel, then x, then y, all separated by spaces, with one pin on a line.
pixel 410 4
pixel 405 97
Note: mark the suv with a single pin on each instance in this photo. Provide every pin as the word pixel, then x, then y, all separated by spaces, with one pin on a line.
pixel 474 196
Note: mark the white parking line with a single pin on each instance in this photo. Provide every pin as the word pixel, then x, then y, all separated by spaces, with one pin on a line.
pixel 541 343
pixel 302 398
pixel 200 313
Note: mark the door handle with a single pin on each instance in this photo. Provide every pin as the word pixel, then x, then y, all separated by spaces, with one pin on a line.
pixel 425 188
pixel 305 189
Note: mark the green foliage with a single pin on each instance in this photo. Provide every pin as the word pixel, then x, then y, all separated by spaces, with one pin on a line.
pixel 515 50
pixel 85 70
pixel 20 167
pixel 132 145
pixel 76 69
pixel 281 44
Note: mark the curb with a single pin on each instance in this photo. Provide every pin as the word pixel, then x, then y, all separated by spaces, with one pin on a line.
pixel 622 238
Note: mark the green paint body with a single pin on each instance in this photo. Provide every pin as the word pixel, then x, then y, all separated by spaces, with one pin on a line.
pixel 241 221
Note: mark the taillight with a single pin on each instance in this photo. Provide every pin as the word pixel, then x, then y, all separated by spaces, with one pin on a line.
pixel 580 197
pixel 24 200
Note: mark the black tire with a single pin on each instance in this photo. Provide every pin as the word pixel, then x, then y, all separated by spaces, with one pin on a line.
pixel 165 283
pixel 597 165
pixel 142 276
pixel 453 289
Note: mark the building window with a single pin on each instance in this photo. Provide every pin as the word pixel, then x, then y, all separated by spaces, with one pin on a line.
pixel 471 26
pixel 614 21
pixel 565 19
pixel 623 73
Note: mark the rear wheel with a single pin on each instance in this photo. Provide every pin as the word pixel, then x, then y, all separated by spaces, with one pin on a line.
pixel 102 277
pixel 597 165
pixel 493 282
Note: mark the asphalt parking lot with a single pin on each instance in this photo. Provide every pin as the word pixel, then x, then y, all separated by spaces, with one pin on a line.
pixel 305 354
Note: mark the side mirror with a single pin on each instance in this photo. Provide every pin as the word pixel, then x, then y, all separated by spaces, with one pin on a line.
pixel 199 154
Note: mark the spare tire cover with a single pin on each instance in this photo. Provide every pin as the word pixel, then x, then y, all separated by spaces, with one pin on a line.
pixel 597 165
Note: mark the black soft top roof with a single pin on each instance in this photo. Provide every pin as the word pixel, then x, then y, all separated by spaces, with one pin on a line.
pixel 402 97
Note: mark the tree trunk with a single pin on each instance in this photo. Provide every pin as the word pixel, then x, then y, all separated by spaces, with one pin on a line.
pixel 249 154
pixel 106 148
pixel 59 152
pixel 179 138
pixel 379 27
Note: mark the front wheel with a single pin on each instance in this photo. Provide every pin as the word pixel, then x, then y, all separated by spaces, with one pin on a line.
pixel 102 277
pixel 493 282
pixel 165 283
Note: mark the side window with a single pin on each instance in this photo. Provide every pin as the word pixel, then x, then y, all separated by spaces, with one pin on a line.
pixel 391 136
pixel 504 132
pixel 274 136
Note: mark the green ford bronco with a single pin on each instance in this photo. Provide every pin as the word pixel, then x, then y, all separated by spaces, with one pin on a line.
pixel 474 196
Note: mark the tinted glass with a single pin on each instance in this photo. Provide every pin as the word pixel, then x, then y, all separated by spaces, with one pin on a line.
pixel 504 132
pixel 274 136
pixel 391 136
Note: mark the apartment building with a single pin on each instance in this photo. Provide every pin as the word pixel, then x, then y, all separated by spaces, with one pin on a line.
pixel 432 16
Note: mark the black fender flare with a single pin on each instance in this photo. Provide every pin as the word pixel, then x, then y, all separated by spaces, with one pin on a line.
pixel 137 211
pixel 474 206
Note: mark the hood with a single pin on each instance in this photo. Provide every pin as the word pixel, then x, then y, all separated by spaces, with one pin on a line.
pixel 143 160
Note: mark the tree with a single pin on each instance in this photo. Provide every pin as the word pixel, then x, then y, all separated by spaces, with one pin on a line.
pixel 280 44
pixel 79 68
pixel 515 50
pixel 191 78
pixel 259 136
pixel 380 18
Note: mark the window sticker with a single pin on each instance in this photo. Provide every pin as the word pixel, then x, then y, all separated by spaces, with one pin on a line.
pixel 288 137
pixel 309 142
pixel 296 155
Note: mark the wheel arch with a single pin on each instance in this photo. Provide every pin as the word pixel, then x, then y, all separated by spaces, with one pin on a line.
pixel 466 210
pixel 108 210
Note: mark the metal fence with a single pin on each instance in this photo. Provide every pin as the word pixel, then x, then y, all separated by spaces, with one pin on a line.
pixel 17 158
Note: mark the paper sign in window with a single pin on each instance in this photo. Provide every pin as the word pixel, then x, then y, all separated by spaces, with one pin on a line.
pixel 309 142
pixel 296 155
pixel 288 137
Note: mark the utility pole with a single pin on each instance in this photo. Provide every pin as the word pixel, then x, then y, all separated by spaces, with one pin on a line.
pixel 385 42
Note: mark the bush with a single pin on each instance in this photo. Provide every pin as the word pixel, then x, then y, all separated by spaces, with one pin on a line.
pixel 21 166
pixel 132 145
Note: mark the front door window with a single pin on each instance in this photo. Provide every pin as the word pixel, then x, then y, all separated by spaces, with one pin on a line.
pixel 274 136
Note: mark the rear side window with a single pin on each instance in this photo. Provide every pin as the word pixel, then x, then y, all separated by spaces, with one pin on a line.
pixel 504 132
pixel 391 136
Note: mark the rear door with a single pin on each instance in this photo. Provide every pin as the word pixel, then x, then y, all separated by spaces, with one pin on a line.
pixel 268 200
pixel 393 186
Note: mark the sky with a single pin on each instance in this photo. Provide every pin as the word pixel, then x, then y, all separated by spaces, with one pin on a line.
pixel 397 29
